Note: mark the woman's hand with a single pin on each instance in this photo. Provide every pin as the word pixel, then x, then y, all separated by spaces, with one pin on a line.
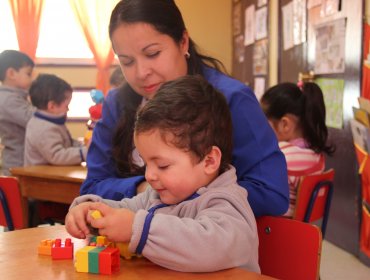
pixel 76 220
pixel 115 223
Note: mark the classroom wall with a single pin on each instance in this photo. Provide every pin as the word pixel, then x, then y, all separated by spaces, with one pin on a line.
pixel 211 35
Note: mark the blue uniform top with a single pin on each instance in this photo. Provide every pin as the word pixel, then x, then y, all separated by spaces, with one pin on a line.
pixel 260 165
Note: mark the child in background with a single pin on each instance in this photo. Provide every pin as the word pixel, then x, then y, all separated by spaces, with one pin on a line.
pixel 15 109
pixel 297 115
pixel 48 140
pixel 194 217
pixel 116 79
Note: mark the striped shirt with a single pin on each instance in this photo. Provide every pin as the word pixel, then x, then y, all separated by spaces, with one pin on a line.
pixel 300 161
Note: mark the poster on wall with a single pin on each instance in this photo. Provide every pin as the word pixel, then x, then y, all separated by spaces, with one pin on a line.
pixel 259 87
pixel 260 54
pixel 329 7
pixel 239 48
pixel 261 23
pixel 299 21
pixel 237 19
pixel 249 25
pixel 287 11
pixel 329 51
pixel 333 90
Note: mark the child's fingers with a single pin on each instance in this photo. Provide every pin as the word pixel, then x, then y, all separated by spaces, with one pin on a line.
pixel 101 207
pixel 73 227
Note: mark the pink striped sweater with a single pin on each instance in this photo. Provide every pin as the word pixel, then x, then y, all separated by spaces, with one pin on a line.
pixel 300 161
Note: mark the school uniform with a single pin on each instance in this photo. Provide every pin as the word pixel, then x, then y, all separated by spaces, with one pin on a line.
pixel 48 141
pixel 15 112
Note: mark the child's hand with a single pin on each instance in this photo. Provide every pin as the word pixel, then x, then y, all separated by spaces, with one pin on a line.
pixel 75 221
pixel 115 224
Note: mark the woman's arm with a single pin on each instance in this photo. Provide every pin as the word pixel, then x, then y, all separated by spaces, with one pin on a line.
pixel 260 165
pixel 102 178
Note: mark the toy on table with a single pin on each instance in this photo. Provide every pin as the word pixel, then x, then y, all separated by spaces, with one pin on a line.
pixel 122 246
pixel 95 112
pixel 98 257
pixel 56 249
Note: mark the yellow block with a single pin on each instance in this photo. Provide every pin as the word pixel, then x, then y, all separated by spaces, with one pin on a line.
pixel 82 259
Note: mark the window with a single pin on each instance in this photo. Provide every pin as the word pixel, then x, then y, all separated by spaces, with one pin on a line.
pixel 61 39
pixel 7 29
pixel 80 104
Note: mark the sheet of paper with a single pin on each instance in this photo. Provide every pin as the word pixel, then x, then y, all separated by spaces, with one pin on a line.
pixel 249 25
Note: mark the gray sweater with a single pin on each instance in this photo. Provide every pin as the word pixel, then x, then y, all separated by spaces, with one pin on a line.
pixel 214 231
pixel 49 143
pixel 15 112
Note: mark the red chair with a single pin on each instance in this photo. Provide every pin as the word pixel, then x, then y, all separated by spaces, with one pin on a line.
pixel 289 249
pixel 11 211
pixel 314 194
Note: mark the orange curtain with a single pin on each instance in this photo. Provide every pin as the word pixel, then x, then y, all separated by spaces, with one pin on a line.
pixel 94 16
pixel 366 66
pixel 26 15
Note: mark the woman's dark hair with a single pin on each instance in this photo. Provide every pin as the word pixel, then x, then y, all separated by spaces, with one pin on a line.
pixel 195 113
pixel 166 18
pixel 307 104
pixel 48 87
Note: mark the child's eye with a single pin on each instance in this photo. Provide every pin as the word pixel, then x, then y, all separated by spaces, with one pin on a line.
pixel 163 166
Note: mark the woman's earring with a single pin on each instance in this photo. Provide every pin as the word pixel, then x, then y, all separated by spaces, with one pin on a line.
pixel 187 55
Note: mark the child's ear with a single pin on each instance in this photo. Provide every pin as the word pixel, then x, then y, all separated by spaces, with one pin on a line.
pixel 212 160
pixel 9 74
pixel 51 106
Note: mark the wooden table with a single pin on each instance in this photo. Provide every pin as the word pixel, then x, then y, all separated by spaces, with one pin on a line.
pixel 50 183
pixel 19 260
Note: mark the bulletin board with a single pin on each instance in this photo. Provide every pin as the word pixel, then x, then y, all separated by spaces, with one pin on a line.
pixel 344 221
pixel 250 21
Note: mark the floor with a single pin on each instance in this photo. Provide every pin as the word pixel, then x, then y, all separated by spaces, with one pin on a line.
pixel 337 264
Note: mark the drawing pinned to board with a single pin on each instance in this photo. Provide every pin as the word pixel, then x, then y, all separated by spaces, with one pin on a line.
pixel 299 21
pixel 333 90
pixel 288 41
pixel 261 3
pixel 249 25
pixel 329 7
pixel 329 51
pixel 260 53
pixel 237 19
pixel 261 23
pixel 239 48
pixel 259 87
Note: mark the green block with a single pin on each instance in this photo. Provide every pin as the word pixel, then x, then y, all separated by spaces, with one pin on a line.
pixel 94 259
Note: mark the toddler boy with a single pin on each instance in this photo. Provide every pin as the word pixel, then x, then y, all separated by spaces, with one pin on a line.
pixel 48 140
pixel 15 109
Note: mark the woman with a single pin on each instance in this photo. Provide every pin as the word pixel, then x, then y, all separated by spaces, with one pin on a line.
pixel 153 46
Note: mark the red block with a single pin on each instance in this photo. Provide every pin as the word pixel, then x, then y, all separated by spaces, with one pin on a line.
pixel 61 251
pixel 109 261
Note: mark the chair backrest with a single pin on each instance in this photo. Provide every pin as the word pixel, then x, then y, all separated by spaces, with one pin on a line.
pixel 11 211
pixel 313 200
pixel 289 249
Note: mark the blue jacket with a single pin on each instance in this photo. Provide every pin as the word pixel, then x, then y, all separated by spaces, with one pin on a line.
pixel 260 165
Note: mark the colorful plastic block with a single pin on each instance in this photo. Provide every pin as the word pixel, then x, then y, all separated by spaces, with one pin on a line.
pixel 82 259
pixel 44 247
pixel 62 251
pixel 109 261
pixel 93 256
pixel 123 247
